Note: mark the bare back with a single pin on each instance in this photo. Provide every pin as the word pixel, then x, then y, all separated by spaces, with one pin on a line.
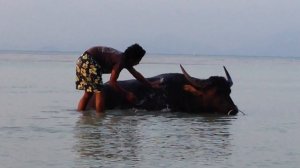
pixel 106 57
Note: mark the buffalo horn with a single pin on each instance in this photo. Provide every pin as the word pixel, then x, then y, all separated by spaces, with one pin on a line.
pixel 228 77
pixel 189 78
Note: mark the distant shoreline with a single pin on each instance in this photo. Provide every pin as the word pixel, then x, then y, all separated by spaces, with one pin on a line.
pixel 37 52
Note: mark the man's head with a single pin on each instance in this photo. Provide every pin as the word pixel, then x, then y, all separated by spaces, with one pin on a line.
pixel 133 54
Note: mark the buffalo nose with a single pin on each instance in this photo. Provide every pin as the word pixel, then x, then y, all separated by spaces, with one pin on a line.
pixel 233 111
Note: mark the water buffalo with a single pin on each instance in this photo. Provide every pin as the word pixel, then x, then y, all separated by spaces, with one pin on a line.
pixel 179 92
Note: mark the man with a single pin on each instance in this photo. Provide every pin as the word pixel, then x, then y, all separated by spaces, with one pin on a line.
pixel 98 60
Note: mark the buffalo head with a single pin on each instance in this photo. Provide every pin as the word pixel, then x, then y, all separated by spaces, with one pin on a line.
pixel 212 94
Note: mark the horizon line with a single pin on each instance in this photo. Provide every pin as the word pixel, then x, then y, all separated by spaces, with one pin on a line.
pixel 154 53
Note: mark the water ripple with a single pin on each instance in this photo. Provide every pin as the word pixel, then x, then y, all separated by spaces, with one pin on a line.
pixel 139 139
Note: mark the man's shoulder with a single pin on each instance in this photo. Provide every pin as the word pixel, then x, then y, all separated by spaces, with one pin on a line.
pixel 105 49
pixel 111 50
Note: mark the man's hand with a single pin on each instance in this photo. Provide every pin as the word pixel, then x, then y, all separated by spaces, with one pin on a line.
pixel 130 97
pixel 156 84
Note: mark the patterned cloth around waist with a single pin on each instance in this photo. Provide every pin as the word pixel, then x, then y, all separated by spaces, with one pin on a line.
pixel 88 74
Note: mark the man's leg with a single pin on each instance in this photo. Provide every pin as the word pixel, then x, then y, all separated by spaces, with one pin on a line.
pixel 99 102
pixel 84 101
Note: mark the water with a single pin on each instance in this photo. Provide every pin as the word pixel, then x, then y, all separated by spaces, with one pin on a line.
pixel 39 126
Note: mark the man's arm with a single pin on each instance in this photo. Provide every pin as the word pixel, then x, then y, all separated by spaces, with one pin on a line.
pixel 139 77
pixel 113 80
pixel 130 97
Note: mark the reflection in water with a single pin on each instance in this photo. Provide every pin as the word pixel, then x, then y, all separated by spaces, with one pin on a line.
pixel 152 140
pixel 106 139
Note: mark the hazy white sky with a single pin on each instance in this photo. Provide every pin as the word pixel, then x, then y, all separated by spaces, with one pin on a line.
pixel 222 27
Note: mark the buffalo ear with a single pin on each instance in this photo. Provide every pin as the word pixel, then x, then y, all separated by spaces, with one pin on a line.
pixel 192 89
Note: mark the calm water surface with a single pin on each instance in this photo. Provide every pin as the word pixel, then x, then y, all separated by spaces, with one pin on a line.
pixel 39 126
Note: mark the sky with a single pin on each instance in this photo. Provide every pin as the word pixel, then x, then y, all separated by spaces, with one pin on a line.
pixel 205 27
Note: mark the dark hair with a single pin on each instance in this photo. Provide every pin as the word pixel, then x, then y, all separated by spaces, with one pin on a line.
pixel 135 52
